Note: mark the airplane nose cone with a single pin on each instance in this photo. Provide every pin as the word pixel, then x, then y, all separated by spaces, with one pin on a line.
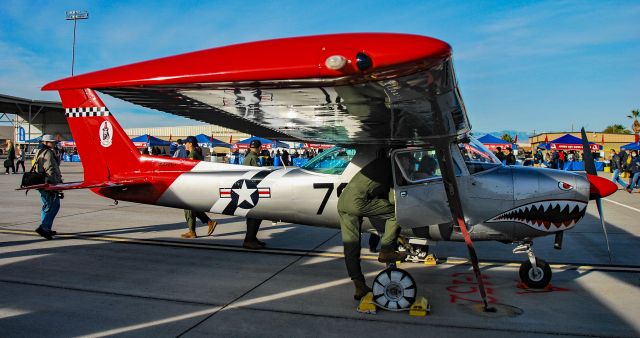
pixel 600 187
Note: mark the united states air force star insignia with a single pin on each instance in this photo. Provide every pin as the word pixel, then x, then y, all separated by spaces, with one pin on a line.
pixel 245 194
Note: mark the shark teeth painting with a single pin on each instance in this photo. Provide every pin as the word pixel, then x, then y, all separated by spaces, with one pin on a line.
pixel 547 216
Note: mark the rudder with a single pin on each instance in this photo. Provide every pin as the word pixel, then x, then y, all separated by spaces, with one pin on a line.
pixel 105 149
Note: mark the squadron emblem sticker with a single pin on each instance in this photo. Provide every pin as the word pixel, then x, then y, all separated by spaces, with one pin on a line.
pixel 106 134
pixel 245 194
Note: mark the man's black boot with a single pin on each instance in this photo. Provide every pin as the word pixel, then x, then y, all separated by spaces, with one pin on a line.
pixel 44 233
pixel 361 289
pixel 391 256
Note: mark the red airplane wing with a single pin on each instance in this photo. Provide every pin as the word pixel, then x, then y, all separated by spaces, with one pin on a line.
pixel 340 89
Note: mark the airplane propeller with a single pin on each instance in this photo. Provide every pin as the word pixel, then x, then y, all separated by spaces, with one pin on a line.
pixel 599 186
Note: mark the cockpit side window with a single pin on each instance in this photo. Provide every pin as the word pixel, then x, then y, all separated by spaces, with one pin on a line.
pixel 477 157
pixel 333 161
pixel 417 166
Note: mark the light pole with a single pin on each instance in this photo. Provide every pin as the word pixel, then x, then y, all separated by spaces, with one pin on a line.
pixel 75 16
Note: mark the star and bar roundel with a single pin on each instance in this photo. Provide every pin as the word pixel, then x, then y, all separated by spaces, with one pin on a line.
pixel 245 194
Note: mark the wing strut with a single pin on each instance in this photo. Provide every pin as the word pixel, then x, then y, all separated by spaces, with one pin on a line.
pixel 445 160
pixel 451 187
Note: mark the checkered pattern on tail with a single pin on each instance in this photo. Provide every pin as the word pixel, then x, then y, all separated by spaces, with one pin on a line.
pixel 87 112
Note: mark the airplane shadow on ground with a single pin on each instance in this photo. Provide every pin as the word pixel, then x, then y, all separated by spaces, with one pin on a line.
pixel 153 290
pixel 154 228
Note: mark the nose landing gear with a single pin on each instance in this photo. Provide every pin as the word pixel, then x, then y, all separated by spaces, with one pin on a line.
pixel 535 273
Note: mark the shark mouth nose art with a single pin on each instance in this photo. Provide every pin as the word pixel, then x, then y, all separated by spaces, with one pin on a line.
pixel 548 216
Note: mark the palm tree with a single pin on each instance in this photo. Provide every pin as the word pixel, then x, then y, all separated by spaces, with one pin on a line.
pixel 507 137
pixel 636 125
pixel 616 129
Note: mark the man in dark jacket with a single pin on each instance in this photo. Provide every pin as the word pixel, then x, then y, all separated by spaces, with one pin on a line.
pixel 555 160
pixel 253 224
pixel 499 154
pixel 510 159
pixel 616 168
pixel 48 163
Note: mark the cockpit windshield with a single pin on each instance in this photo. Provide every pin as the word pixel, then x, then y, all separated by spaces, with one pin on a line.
pixel 333 161
pixel 477 157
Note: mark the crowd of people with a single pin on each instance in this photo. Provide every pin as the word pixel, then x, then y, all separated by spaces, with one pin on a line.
pixel 556 158
pixel 268 157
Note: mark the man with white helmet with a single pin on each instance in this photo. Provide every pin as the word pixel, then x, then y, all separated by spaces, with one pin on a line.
pixel 48 163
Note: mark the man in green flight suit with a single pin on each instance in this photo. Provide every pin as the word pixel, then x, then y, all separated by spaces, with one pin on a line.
pixel 253 225
pixel 368 195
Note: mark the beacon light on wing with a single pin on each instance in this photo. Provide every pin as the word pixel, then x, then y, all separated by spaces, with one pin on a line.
pixel 335 62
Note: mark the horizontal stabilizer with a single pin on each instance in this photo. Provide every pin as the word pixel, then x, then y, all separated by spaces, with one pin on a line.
pixel 85 185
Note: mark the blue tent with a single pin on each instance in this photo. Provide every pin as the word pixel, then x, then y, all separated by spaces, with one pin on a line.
pixel 152 141
pixel 205 141
pixel 33 140
pixel 492 142
pixel 570 142
pixel 265 142
pixel 631 146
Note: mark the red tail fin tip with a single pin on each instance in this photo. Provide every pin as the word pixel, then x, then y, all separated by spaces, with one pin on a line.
pixel 104 148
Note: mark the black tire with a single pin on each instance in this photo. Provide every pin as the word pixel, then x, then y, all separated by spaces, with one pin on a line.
pixel 394 290
pixel 528 274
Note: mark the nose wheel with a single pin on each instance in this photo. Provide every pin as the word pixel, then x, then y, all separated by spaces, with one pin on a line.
pixel 535 277
pixel 394 289
pixel 535 273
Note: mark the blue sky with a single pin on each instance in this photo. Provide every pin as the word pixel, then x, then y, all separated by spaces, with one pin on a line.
pixel 527 66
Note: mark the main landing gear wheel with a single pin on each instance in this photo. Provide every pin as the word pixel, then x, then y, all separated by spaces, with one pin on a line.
pixel 394 290
pixel 535 277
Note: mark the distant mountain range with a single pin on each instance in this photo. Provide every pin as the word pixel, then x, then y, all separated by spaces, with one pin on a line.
pixel 523 137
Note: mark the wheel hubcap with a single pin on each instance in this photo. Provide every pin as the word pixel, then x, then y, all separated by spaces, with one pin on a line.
pixel 536 274
pixel 394 291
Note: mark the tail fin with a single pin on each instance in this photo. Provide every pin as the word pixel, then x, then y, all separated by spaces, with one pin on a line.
pixel 105 149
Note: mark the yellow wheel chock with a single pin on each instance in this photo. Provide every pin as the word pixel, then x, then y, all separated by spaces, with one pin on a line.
pixel 419 308
pixel 367 305
pixel 430 260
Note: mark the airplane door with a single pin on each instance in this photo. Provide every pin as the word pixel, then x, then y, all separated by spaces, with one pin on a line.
pixel 420 198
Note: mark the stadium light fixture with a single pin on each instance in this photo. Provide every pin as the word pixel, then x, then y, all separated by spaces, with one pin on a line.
pixel 75 16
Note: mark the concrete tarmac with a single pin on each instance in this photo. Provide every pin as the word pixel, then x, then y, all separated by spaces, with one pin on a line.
pixel 123 270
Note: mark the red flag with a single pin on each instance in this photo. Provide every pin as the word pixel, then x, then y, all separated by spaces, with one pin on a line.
pixel 546 138
pixel 170 137
pixel 516 139
pixel 637 138
pixel 602 141
pixel 148 140
pixel 230 139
